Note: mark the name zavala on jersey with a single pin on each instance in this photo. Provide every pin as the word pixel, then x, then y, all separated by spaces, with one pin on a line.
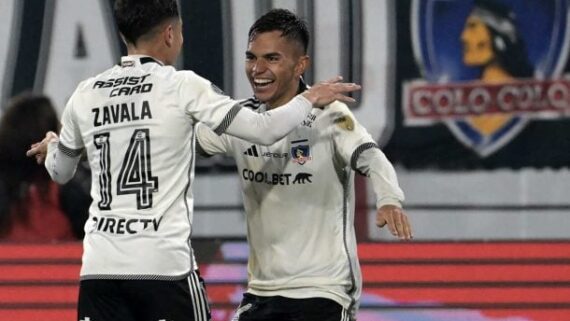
pixel 119 113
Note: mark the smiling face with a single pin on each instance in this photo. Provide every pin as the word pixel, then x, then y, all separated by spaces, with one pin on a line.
pixel 477 45
pixel 274 65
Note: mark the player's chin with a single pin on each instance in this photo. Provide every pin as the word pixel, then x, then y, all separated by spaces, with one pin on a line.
pixel 263 95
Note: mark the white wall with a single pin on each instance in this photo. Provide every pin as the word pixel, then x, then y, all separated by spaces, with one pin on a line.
pixel 499 205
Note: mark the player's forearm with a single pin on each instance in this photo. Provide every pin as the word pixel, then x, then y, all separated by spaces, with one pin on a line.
pixel 383 177
pixel 269 127
pixel 60 166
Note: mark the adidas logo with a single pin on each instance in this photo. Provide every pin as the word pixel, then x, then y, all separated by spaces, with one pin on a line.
pixel 252 151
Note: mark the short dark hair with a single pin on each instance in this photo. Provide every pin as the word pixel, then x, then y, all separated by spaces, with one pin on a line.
pixel 136 18
pixel 290 25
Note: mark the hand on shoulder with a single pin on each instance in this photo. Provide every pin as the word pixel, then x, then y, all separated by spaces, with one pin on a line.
pixel 325 92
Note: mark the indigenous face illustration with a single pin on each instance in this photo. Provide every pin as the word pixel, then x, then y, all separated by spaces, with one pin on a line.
pixel 480 80
pixel 476 39
pixel 300 154
pixel 489 38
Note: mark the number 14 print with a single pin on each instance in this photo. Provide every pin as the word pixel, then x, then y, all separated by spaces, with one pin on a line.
pixel 135 176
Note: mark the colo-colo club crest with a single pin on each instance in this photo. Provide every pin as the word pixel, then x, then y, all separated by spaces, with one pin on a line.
pixel 489 67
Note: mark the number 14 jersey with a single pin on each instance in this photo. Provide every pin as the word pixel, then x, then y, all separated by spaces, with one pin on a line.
pixel 136 123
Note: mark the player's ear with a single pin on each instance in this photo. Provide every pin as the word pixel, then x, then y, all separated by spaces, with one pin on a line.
pixel 168 34
pixel 302 64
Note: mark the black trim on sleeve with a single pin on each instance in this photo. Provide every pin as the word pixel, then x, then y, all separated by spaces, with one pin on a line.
pixel 251 103
pixel 69 151
pixel 356 154
pixel 228 119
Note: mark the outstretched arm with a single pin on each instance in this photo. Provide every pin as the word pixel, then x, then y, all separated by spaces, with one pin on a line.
pixel 359 150
pixel 224 115
pixel 271 126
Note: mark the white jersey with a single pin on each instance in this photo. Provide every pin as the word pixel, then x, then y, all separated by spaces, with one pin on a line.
pixel 136 123
pixel 299 200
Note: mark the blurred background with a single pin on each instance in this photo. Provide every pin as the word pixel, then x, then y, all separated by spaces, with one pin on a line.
pixel 482 155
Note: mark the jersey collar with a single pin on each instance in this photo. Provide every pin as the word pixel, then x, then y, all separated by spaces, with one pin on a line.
pixel 137 60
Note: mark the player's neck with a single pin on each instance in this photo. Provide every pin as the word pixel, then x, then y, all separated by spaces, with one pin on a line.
pixel 146 50
pixel 287 97
pixel 281 102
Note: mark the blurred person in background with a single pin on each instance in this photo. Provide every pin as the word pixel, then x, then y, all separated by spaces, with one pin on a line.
pixel 299 192
pixel 32 207
pixel 136 122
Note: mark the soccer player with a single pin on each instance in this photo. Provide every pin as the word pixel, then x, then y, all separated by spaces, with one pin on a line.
pixel 299 192
pixel 136 123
